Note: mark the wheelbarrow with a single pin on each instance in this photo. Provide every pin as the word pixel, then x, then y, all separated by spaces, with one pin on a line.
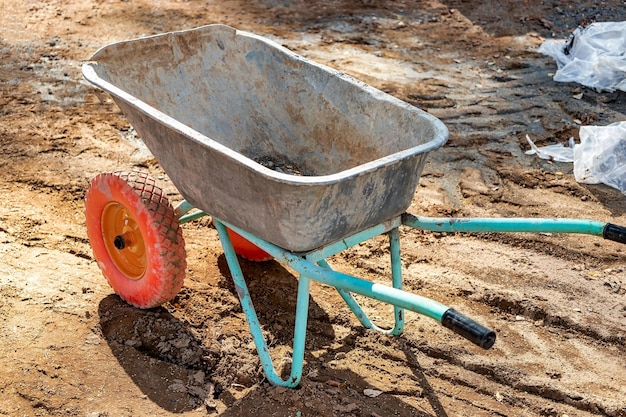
pixel 294 161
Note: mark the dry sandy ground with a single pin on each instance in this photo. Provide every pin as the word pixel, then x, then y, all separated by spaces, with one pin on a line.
pixel 72 348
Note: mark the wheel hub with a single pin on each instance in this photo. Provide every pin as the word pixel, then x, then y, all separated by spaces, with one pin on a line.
pixel 123 240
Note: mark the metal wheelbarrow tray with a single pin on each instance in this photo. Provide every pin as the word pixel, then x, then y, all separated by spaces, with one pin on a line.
pixel 210 102
pixel 218 108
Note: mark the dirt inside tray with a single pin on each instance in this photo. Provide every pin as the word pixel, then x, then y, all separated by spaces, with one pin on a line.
pixel 282 166
pixel 70 347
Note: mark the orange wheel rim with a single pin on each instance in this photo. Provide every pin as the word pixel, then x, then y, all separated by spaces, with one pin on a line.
pixel 124 241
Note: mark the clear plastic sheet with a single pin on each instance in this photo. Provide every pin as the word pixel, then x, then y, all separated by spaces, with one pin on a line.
pixel 594 56
pixel 556 152
pixel 601 155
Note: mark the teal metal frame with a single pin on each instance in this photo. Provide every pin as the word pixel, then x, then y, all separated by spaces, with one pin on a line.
pixel 313 266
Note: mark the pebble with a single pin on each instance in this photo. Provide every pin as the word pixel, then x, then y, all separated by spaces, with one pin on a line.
pixel 180 343
pixel 177 386
pixel 197 391
pixel 372 393
pixel 615 286
pixel 199 377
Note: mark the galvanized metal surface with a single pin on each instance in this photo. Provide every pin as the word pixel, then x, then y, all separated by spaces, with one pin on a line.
pixel 209 102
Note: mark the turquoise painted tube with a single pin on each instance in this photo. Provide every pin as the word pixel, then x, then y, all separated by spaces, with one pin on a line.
pixel 396 278
pixel 362 236
pixel 386 294
pixel 253 321
pixel 352 304
pixel 299 338
pixel 182 210
pixel 362 316
pixel 450 318
pixel 191 216
pixel 443 224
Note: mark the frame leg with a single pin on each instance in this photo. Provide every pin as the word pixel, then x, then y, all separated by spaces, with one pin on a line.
pixel 396 280
pixel 302 308
pixel 183 210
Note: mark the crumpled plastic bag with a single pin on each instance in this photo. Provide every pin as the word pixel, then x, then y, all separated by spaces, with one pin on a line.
pixel 556 152
pixel 594 56
pixel 601 155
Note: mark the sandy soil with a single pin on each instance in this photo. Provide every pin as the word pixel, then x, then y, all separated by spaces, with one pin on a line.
pixel 70 347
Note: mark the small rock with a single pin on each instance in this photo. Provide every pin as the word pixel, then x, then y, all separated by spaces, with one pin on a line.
pixel 197 391
pixel 177 386
pixel 372 393
pixel 164 347
pixel 199 377
pixel 539 323
pixel 133 342
pixel 278 394
pixel 210 403
pixel 181 343
pixel 313 374
pixel 615 286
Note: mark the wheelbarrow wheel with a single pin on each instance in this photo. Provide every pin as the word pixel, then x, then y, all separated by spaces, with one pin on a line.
pixel 136 238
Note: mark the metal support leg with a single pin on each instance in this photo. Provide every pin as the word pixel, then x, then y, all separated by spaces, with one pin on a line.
pixel 302 308
pixel 182 211
pixel 396 280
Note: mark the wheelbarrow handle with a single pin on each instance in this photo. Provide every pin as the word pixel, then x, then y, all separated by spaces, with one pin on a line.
pixel 468 328
pixel 614 232
pixel 608 231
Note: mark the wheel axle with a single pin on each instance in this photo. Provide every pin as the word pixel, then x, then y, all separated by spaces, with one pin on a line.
pixel 119 242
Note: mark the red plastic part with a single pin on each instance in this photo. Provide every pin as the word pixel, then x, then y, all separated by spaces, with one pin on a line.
pixel 244 248
pixel 138 197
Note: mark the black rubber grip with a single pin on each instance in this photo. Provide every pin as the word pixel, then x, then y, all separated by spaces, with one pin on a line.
pixel 468 328
pixel 615 233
